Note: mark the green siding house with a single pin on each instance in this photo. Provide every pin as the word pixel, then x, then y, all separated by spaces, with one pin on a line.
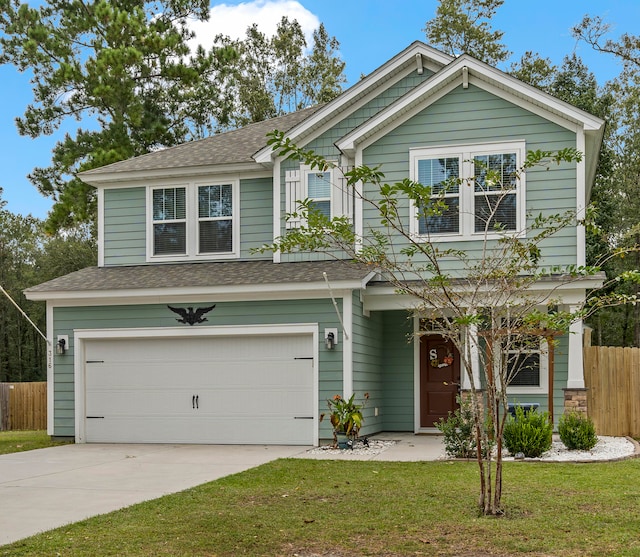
pixel 184 334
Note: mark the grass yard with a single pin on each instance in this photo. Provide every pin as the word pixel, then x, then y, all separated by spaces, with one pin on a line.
pixel 17 441
pixel 329 508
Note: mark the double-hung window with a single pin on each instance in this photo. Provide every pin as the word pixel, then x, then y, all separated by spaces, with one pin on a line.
pixel 318 185
pixel 475 190
pixel 526 360
pixel 193 221
pixel 169 221
pixel 527 366
pixel 325 190
pixel 215 218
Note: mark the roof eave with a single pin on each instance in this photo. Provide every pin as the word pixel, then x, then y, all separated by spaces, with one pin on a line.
pixel 147 295
pixel 430 58
pixel 137 176
pixel 479 71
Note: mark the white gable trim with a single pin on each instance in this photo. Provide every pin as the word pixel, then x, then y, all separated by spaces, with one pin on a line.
pixel 478 74
pixel 362 92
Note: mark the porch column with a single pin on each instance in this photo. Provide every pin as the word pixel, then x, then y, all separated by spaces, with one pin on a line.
pixel 575 378
pixel 472 343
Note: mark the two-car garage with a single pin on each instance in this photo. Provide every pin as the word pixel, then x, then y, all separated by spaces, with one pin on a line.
pixel 209 387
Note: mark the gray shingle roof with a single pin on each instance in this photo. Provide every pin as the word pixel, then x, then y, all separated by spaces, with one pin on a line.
pixel 233 147
pixel 195 275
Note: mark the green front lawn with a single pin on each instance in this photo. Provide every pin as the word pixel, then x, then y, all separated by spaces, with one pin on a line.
pixel 17 441
pixel 328 508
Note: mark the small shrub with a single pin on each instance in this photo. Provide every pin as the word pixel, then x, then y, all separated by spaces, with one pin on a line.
pixel 458 431
pixel 577 431
pixel 528 433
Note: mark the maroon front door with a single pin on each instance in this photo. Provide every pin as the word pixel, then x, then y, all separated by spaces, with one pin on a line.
pixel 439 378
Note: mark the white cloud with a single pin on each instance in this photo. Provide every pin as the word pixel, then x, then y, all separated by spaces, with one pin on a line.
pixel 233 20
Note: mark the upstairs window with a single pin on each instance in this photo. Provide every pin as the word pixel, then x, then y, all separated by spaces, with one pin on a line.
pixel 441 175
pixel 476 187
pixel 327 191
pixel 169 221
pixel 495 186
pixel 215 218
pixel 319 191
pixel 193 221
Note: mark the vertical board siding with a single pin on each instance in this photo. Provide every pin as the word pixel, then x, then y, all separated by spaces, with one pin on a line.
pixel 612 379
pixel 66 319
pixel 125 226
pixel 23 406
pixel 475 116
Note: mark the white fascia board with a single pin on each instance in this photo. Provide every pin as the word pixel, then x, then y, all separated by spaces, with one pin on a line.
pixel 487 73
pixel 134 178
pixel 202 331
pixel 570 292
pixel 281 291
pixel 369 86
pixel 483 76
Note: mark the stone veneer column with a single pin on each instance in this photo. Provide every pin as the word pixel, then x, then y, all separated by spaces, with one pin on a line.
pixel 575 400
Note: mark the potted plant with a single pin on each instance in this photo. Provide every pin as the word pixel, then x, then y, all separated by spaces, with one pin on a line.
pixel 346 418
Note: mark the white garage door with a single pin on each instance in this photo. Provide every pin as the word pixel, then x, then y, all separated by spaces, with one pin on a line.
pixel 236 390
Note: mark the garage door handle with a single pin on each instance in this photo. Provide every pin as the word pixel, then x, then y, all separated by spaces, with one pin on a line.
pixel 194 401
pixel 303 417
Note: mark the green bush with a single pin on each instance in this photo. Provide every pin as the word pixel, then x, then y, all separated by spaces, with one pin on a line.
pixel 577 431
pixel 458 431
pixel 528 433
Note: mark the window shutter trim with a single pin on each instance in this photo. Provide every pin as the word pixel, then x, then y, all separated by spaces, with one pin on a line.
pixel 294 190
pixel 343 196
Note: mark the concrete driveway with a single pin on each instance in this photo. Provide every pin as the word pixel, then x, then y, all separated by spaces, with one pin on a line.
pixel 47 488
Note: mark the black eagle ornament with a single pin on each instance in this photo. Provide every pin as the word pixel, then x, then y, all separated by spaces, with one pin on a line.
pixel 191 316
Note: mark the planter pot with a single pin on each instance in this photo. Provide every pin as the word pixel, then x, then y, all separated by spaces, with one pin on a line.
pixel 344 442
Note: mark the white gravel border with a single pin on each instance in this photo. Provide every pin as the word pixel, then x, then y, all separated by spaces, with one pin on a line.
pixel 375 447
pixel 606 449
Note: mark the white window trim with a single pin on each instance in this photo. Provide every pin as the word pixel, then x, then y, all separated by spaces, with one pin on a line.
pixel 543 387
pixel 306 170
pixel 192 221
pixel 466 152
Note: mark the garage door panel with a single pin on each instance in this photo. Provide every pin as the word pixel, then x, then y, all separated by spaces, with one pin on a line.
pixel 138 402
pixel 249 389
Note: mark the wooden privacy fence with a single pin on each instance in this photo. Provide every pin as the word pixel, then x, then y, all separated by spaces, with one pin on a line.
pixel 23 406
pixel 612 377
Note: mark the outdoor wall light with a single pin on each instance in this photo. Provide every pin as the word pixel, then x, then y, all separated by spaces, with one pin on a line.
pixel 62 344
pixel 330 338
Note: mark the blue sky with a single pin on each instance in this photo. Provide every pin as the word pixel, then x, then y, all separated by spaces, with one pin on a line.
pixel 370 32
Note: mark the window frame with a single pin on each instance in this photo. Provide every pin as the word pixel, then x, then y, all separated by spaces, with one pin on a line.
pixel 543 385
pixel 193 220
pixel 200 219
pixel 305 172
pixel 467 194
pixel 165 221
